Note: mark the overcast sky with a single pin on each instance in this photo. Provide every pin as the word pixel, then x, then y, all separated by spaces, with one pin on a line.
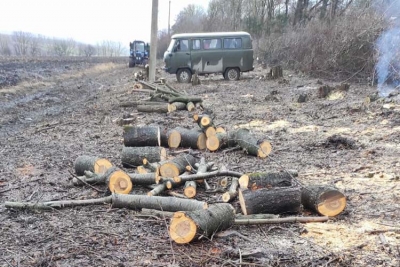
pixel 88 21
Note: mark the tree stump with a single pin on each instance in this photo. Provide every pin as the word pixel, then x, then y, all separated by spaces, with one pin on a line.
pixel 186 227
pixel 142 136
pixel 249 143
pixel 276 72
pixel 326 200
pixel 258 180
pixel 176 166
pixel 195 79
pixel 192 138
pixel 271 201
pixel 92 164
pixel 133 156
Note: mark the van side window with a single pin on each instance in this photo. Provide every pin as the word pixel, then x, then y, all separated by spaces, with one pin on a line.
pixel 232 43
pixel 182 45
pixel 212 44
pixel 196 44
pixel 247 42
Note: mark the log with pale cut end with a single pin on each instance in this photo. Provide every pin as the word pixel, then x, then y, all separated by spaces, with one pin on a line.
pixel 209 131
pixel 223 182
pixel 220 140
pixel 258 180
pixel 185 99
pixel 176 166
pixel 155 108
pixel 133 156
pixel 192 138
pixel 190 189
pixel 179 105
pixel 196 117
pixel 142 136
pixel 137 202
pixel 170 138
pixel 249 143
pixel 274 201
pixel 190 106
pixel 220 129
pixel 141 170
pixel 206 121
pixel 233 191
pixel 186 227
pixel 119 182
pixel 326 200
pixel 89 163
pixel 144 178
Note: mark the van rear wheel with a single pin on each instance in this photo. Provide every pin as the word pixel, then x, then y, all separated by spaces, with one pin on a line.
pixel 184 76
pixel 232 74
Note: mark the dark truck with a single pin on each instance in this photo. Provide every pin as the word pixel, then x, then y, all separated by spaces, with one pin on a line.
pixel 138 53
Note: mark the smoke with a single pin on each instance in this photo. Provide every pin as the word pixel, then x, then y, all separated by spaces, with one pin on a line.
pixel 388 46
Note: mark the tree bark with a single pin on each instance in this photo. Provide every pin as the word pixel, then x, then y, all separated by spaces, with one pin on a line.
pixel 326 200
pixel 186 227
pixel 92 164
pixel 137 202
pixel 257 180
pixel 133 156
pixel 142 136
pixel 144 178
pixel 281 220
pixel 273 201
pixel 221 140
pixel 155 108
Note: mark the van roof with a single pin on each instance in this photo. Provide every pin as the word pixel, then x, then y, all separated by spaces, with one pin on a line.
pixel 209 34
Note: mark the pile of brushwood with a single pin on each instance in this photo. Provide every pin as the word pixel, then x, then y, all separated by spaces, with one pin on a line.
pixel 162 98
pixel 148 163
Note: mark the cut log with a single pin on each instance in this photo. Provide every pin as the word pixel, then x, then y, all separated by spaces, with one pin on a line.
pixel 137 202
pixel 176 166
pixel 249 143
pixel 141 170
pixel 223 182
pixel 179 105
pixel 190 106
pixel 142 136
pixel 140 103
pixel 133 156
pixel 281 220
pixel 220 140
pixel 195 79
pixel 185 99
pixel 170 138
pixel 192 138
pixel 326 200
pixel 219 129
pixel 258 180
pixel 273 201
pixel 207 175
pixel 210 131
pixel 92 164
pixel 233 191
pixel 158 189
pixel 190 189
pixel 155 108
pixel 186 227
pixel 206 121
pixel 118 181
pixel 144 178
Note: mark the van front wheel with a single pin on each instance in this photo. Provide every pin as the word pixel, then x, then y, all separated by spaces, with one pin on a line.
pixel 184 76
pixel 232 74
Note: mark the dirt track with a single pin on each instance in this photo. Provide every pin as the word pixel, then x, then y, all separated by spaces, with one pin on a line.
pixel 53 111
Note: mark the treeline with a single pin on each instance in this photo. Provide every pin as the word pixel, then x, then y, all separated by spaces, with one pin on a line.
pixel 21 43
pixel 333 38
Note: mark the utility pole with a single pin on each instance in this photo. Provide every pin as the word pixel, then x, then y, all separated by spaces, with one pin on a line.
pixel 169 19
pixel 153 41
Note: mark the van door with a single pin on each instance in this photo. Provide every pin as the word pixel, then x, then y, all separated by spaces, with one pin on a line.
pixel 212 59
pixel 181 56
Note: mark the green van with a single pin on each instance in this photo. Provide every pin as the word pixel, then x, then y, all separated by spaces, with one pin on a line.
pixel 229 53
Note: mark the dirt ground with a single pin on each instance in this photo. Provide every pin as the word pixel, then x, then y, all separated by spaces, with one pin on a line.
pixel 52 111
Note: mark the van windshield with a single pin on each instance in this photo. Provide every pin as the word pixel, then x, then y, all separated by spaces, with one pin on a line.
pixel 171 45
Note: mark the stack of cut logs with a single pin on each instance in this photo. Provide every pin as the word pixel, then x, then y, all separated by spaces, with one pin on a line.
pixel 145 152
pixel 163 98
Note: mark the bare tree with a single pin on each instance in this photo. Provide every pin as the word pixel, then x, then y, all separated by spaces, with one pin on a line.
pixel 5 49
pixel 62 47
pixel 21 41
pixel 89 50
pixel 190 19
